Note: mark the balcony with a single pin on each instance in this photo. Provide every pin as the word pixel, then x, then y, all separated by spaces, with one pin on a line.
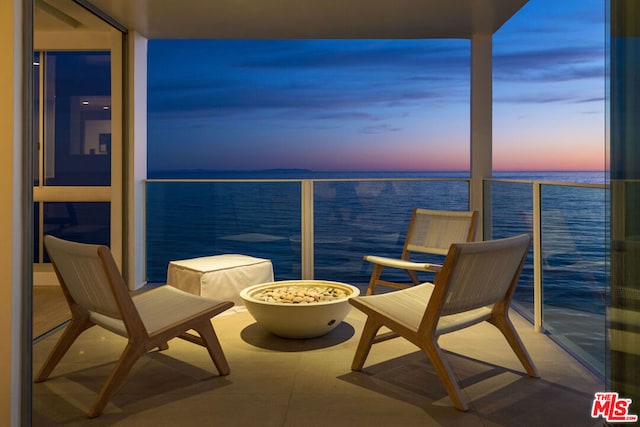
pixel 321 228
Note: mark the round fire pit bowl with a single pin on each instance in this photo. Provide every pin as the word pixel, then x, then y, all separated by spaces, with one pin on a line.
pixel 299 308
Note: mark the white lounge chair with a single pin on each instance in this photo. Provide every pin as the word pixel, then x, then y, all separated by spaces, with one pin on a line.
pixel 430 232
pixel 97 295
pixel 476 284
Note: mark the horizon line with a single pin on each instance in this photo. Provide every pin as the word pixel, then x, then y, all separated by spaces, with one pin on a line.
pixel 372 170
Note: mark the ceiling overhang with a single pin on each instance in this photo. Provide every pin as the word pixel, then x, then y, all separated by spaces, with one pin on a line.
pixel 293 19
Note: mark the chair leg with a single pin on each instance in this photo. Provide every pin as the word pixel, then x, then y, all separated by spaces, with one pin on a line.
pixel 210 340
pixel 503 323
pixel 369 332
pixel 71 332
pixel 375 275
pixel 128 358
pixel 445 373
pixel 413 276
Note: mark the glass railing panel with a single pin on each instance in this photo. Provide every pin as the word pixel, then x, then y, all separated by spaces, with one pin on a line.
pixel 573 234
pixel 189 219
pixel 371 217
pixel 511 214
pixel 573 269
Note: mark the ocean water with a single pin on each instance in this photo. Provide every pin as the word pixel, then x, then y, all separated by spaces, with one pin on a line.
pixel 358 214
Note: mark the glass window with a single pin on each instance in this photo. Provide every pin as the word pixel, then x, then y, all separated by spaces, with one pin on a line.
pixel 86 222
pixel 77 112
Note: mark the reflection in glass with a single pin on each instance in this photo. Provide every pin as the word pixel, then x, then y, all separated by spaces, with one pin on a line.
pixel 85 222
pixel 77 140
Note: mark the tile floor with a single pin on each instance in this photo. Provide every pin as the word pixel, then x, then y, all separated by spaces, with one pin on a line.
pixel 278 382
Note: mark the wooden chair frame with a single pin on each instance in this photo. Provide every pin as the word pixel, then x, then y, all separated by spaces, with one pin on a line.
pixel 476 284
pixel 430 232
pixel 106 301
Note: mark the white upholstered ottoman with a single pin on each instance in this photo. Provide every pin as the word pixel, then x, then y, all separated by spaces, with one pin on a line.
pixel 220 277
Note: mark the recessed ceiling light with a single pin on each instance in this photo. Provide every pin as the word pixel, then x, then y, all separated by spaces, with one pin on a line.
pixel 85 102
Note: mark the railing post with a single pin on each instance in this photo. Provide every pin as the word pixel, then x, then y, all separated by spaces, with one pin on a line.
pixel 487 214
pixel 537 259
pixel 306 233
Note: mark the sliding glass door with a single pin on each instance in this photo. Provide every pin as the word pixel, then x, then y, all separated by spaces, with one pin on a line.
pixel 72 170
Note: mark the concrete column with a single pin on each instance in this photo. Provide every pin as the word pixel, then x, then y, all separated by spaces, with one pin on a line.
pixel 135 160
pixel 481 124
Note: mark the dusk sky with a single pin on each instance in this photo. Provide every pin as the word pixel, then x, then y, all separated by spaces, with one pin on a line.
pixel 382 105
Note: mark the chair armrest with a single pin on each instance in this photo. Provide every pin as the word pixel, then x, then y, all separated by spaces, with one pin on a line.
pixel 402 264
